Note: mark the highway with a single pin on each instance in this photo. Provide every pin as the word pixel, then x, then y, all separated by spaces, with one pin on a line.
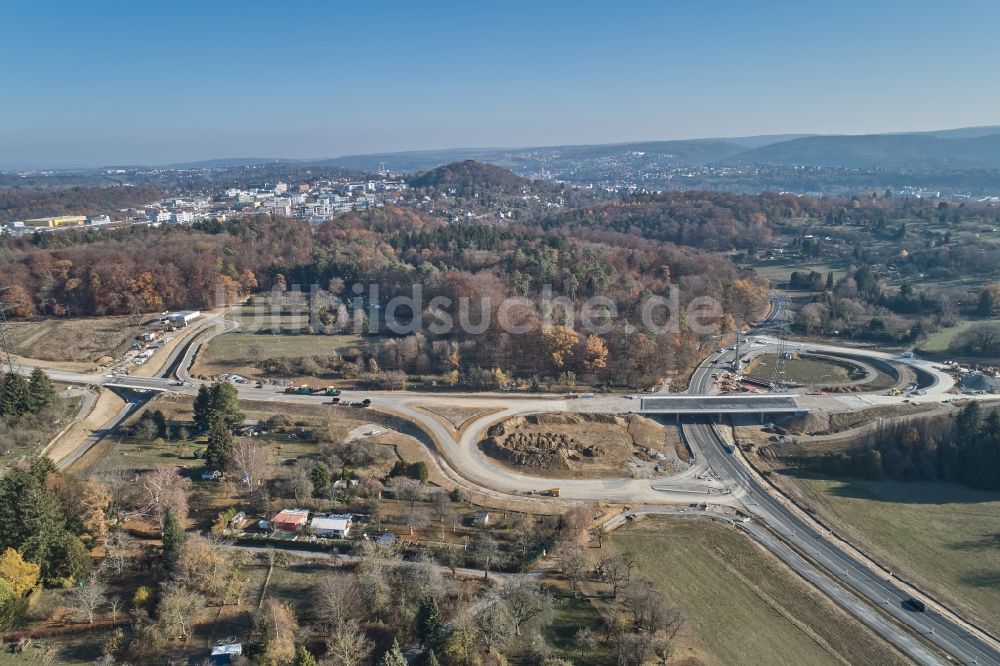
pixel 840 571
pixel 717 476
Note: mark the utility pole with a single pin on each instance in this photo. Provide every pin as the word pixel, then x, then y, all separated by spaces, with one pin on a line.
pixel 736 361
pixel 6 348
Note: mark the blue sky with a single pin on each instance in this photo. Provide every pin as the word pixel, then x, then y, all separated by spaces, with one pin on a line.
pixel 95 83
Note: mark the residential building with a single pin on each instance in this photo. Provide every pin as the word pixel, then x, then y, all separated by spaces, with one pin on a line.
pixel 290 520
pixel 331 526
pixel 226 653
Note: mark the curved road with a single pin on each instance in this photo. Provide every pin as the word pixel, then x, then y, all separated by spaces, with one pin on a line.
pixel 840 570
pixel 852 584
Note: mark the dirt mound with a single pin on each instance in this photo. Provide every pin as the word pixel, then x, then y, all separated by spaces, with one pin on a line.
pixel 586 445
pixel 810 422
pixel 977 381
pixel 537 450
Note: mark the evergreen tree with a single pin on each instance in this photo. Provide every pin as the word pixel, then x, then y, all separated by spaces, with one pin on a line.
pixel 203 407
pixel 220 445
pixel 321 478
pixel 16 397
pixel 428 624
pixel 69 559
pixel 393 657
pixel 431 659
pixel 303 657
pixel 173 538
pixel 220 401
pixel 42 392
pixel 986 304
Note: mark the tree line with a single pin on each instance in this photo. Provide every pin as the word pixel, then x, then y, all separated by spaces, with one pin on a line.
pixel 964 448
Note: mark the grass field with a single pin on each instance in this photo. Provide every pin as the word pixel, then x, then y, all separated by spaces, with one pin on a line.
pixel 780 271
pixel 743 605
pixel 945 537
pixel 236 348
pixel 236 353
pixel 940 341
pixel 800 370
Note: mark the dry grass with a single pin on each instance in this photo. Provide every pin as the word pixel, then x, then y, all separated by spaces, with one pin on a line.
pixel 74 340
pixel 743 605
pixel 105 408
pixel 942 536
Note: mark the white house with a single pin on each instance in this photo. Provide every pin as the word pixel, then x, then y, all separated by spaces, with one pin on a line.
pixel 331 526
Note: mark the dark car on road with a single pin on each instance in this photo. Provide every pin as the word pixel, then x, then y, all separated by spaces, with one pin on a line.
pixel 915 605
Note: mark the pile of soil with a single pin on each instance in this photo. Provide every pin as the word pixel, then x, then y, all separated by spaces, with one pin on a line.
pixel 586 445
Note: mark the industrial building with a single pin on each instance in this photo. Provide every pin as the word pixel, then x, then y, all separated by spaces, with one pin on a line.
pixel 57 221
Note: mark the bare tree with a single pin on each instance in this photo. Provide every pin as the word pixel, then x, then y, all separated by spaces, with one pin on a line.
pixel 337 600
pixel 250 460
pixel 300 480
pixel 348 646
pixel 585 641
pixel 576 520
pixel 440 505
pixel 573 562
pixel 424 579
pixel 86 599
pixel 632 649
pixel 485 551
pixel 613 570
pixel 177 608
pixel 115 605
pixel 493 625
pixel 162 487
pixel 524 602
pixel 525 534
pixel 255 351
pixel 415 519
pixel 118 551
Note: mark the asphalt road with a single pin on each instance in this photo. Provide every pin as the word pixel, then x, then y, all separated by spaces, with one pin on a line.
pixel 840 571
pixel 828 566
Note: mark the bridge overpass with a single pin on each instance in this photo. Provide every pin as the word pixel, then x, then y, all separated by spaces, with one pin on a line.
pixel 718 406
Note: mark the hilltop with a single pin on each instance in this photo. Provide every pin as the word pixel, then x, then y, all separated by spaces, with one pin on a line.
pixel 469 174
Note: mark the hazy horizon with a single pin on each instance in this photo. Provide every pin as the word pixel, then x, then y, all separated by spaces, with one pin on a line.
pixel 186 82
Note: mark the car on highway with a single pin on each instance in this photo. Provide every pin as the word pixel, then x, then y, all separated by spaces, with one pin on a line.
pixel 915 605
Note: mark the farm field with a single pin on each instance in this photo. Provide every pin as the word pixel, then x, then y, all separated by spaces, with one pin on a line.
pixel 743 606
pixel 942 536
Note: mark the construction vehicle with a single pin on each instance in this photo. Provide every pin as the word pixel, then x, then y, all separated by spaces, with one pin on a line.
pixel 551 492
pixel 331 391
pixel 305 389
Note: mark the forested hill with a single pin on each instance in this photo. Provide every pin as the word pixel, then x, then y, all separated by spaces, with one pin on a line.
pixel 890 151
pixel 470 174
pixel 26 204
